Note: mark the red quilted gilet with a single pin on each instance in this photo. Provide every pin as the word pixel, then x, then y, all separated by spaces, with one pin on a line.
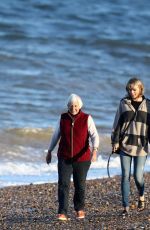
pixel 74 141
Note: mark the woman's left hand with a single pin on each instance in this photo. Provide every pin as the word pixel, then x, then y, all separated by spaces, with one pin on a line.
pixel 94 156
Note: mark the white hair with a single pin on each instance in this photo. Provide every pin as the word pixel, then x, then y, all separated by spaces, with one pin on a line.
pixel 74 98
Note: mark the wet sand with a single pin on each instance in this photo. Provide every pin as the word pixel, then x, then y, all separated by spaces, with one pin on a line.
pixel 35 207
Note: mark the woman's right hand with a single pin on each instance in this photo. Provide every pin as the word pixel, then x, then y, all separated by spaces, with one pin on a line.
pixel 49 157
pixel 115 147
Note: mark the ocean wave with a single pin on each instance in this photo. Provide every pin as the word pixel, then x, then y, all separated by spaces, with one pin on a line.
pixel 24 144
pixel 29 132
pixel 38 138
pixel 120 43
pixel 19 173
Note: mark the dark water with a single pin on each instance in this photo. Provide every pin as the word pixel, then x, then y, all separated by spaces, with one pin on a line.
pixel 50 49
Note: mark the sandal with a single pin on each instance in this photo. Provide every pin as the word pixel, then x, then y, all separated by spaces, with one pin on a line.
pixel 141 205
pixel 125 213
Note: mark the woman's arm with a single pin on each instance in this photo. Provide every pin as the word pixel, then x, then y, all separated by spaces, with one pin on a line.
pixel 94 137
pixel 54 139
pixel 115 135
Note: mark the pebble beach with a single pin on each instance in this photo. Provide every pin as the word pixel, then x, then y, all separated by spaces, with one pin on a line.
pixel 34 207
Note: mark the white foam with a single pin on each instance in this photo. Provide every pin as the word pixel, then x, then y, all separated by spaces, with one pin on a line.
pixel 26 169
pixel 18 173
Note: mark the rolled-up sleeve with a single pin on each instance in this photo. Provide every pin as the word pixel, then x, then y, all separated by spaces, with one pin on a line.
pixel 93 133
pixel 55 137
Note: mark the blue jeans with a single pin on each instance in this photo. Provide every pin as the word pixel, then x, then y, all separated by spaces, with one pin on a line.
pixel 138 171
pixel 79 171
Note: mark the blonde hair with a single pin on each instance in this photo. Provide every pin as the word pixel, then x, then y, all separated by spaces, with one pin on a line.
pixel 135 81
pixel 74 98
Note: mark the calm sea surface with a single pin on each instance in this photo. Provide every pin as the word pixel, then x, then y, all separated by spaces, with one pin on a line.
pixel 50 49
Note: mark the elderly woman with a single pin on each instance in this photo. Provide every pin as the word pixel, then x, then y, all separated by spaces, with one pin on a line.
pixel 131 133
pixel 74 155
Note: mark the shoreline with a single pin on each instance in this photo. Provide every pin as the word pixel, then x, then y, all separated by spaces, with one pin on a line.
pixel 34 206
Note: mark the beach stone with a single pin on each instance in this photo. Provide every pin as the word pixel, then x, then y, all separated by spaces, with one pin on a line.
pixel 35 207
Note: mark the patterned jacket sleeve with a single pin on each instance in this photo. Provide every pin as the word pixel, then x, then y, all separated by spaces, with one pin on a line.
pixel 116 126
pixel 148 118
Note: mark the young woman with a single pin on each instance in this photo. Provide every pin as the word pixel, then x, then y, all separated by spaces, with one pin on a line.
pixel 131 134
pixel 74 130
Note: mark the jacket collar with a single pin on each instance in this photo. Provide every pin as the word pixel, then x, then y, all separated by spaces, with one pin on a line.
pixel 128 101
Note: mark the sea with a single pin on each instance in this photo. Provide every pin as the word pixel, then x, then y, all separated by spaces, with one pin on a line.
pixel 50 49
